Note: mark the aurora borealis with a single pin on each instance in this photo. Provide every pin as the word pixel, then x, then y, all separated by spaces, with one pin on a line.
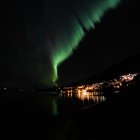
pixel 40 35
pixel 81 17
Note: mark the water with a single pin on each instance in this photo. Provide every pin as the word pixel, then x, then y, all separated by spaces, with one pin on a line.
pixel 111 117
pixel 72 101
pixel 47 104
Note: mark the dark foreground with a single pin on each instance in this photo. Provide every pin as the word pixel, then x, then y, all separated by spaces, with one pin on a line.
pixel 116 118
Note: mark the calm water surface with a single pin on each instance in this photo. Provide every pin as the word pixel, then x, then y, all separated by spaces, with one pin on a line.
pixel 44 103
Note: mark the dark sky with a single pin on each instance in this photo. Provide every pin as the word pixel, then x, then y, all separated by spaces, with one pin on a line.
pixel 37 36
pixel 114 39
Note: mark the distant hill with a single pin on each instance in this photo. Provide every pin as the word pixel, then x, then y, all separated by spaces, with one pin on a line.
pixel 129 65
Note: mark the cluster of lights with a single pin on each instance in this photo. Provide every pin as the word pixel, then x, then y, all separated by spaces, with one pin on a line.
pixel 84 95
pixel 94 92
pixel 115 83
pixel 128 77
pixel 124 79
pixel 92 87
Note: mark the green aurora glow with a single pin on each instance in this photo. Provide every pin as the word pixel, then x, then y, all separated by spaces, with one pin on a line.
pixel 40 35
pixel 82 17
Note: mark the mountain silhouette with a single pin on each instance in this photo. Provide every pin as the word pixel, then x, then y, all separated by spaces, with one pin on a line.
pixel 129 65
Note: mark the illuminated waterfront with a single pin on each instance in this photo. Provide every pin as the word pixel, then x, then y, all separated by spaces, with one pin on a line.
pixel 83 95
pixel 113 84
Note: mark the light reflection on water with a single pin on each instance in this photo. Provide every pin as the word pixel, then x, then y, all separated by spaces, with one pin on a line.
pixel 71 101
pixel 83 95
pixel 93 96
pixel 48 103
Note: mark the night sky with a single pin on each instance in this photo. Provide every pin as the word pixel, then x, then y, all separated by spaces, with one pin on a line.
pixel 57 40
